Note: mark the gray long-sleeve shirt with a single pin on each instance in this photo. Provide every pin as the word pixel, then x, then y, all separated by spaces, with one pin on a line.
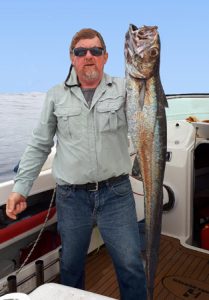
pixel 92 143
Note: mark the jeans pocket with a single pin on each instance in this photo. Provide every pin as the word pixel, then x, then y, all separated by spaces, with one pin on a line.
pixel 63 191
pixel 122 188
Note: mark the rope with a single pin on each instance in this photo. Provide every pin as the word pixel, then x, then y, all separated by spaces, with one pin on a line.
pixel 39 235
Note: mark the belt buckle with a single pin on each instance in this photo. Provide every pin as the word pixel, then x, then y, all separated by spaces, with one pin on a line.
pixel 96 187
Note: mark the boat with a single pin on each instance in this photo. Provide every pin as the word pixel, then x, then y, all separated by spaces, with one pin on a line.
pixel 185 222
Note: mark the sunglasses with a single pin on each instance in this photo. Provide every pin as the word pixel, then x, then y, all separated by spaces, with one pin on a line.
pixel 95 51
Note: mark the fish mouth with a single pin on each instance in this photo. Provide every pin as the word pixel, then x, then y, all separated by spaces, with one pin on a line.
pixel 143 30
pixel 143 36
pixel 133 27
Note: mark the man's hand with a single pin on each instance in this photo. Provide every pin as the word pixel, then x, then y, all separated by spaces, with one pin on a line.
pixel 16 203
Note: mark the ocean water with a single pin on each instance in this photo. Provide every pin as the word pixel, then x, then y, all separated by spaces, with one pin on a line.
pixel 19 114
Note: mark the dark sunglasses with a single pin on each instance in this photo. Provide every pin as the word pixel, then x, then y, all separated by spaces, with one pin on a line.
pixel 95 51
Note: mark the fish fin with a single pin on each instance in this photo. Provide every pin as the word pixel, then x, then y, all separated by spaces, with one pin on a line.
pixel 161 92
pixel 136 169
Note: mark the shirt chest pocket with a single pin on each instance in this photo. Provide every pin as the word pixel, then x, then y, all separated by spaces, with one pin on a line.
pixel 111 115
pixel 69 121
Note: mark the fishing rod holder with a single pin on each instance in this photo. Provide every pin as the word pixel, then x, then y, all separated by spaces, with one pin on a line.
pixel 12 284
pixel 39 272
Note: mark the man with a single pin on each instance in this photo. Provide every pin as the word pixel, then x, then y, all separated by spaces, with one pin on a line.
pixel 91 167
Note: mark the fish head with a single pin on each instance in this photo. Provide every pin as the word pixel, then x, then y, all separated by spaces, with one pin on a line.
pixel 142 51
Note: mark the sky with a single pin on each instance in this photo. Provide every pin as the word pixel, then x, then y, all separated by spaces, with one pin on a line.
pixel 35 37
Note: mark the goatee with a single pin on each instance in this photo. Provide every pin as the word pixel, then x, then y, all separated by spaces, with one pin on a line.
pixel 91 74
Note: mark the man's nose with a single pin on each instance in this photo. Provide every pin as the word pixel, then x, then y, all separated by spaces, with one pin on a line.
pixel 88 54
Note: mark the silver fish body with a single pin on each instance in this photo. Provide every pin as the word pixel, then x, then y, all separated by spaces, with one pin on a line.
pixel 145 110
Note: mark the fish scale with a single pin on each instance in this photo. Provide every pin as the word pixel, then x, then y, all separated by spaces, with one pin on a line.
pixel 145 110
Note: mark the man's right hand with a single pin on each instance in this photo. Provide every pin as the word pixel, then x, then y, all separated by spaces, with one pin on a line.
pixel 16 203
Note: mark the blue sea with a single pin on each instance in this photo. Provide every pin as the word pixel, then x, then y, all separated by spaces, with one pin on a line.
pixel 18 116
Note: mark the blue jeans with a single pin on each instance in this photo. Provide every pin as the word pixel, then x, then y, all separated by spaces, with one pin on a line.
pixel 112 208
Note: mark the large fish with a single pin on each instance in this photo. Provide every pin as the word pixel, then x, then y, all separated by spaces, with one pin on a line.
pixel 145 109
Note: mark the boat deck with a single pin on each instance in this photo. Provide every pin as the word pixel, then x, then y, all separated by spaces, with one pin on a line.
pixel 182 273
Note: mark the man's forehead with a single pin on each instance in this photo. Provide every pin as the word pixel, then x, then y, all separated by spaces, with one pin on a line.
pixel 89 42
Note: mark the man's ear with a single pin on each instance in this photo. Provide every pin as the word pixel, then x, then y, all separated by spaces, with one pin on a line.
pixel 71 58
pixel 105 57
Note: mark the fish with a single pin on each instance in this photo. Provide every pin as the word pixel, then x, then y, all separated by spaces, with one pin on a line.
pixel 147 128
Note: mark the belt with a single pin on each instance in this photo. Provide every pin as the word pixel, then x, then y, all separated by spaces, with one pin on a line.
pixel 95 186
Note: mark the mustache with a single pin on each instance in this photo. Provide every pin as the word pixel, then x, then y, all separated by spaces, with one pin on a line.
pixel 89 60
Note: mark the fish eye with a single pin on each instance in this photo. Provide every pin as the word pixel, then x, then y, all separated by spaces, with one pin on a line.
pixel 154 52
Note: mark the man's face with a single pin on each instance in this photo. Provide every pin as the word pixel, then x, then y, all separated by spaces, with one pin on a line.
pixel 89 68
